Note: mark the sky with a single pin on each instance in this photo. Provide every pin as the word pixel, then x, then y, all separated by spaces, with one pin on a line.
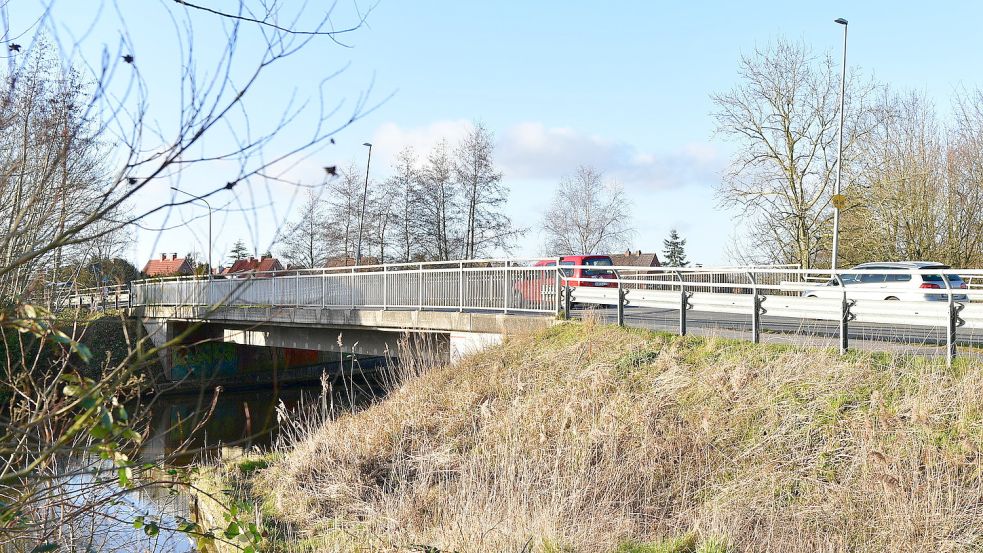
pixel 625 87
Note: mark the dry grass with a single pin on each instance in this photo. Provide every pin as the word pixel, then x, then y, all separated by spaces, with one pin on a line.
pixel 593 438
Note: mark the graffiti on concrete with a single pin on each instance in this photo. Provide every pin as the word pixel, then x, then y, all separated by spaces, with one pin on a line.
pixel 207 360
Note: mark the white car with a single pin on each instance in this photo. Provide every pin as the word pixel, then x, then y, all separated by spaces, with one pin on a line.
pixel 885 281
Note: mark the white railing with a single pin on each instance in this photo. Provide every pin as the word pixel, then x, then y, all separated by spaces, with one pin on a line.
pixel 481 285
pixel 518 286
pixel 113 296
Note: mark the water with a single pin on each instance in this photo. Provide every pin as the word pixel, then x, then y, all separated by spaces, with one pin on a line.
pixel 192 427
pixel 185 430
pixel 188 428
pixel 92 512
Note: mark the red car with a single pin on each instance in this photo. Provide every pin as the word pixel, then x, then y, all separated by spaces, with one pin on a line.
pixel 581 267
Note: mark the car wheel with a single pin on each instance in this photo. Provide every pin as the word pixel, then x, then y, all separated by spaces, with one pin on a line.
pixel 891 298
pixel 812 296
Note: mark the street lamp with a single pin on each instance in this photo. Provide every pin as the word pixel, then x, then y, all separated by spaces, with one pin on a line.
pixel 361 218
pixel 838 200
pixel 209 206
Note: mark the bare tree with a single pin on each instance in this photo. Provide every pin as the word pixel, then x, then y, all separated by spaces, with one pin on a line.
pixel 898 195
pixel 405 184
pixel 80 140
pixel 51 171
pixel 440 206
pixel 304 244
pixel 587 215
pixel 343 210
pixel 783 116
pixel 918 185
pixel 963 229
pixel 383 212
pixel 483 194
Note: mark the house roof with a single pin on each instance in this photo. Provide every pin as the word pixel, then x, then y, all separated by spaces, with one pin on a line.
pixel 341 261
pixel 167 266
pixel 253 265
pixel 635 259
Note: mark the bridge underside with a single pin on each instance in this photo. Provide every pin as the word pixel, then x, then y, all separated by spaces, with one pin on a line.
pixel 230 333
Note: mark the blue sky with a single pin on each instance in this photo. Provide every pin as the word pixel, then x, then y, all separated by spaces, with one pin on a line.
pixel 622 86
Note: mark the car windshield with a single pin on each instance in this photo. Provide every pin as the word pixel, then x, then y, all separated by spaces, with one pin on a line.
pixel 567 272
pixel 598 262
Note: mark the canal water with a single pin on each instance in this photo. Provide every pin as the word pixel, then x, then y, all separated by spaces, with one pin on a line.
pixel 192 428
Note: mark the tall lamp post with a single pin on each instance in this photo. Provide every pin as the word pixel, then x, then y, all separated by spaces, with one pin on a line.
pixel 361 218
pixel 838 200
pixel 209 206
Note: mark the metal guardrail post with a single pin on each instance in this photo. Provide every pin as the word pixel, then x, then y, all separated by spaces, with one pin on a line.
pixel 757 310
pixel 621 303
pixel 385 288
pixel 567 298
pixel 953 322
pixel 506 292
pixel 351 288
pixel 557 297
pixel 684 305
pixel 324 290
pixel 419 281
pixel 460 286
pixel 272 291
pixel 845 317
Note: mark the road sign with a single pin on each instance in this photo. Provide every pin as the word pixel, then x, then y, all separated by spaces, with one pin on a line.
pixel 839 201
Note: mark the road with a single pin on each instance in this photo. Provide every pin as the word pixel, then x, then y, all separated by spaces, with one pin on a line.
pixel 793 330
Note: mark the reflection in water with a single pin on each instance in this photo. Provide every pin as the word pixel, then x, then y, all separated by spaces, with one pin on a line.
pixel 187 428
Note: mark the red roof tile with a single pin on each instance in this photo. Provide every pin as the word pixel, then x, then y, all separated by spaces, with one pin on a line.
pixel 168 267
pixel 253 265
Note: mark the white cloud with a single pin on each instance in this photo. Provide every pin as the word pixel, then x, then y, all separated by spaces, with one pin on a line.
pixel 532 150
pixel 390 138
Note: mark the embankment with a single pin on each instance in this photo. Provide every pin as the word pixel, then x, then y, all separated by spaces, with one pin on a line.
pixel 585 437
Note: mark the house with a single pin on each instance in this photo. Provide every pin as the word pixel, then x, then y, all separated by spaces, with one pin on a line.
pixel 168 266
pixel 262 267
pixel 635 259
pixel 341 261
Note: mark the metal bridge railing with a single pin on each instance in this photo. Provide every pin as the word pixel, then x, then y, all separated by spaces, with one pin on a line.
pixel 114 296
pixel 519 286
pixel 471 286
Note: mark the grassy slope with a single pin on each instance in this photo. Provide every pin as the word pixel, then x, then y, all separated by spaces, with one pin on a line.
pixel 594 438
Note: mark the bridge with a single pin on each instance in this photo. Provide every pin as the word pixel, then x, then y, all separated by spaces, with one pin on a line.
pixel 463 305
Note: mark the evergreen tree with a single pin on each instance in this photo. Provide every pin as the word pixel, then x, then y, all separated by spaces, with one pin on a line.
pixel 239 251
pixel 675 250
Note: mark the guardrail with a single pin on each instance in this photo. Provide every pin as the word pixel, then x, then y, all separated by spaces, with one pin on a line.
pixel 115 296
pixel 926 297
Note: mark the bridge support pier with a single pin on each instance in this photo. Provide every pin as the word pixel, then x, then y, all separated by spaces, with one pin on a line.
pixel 160 332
